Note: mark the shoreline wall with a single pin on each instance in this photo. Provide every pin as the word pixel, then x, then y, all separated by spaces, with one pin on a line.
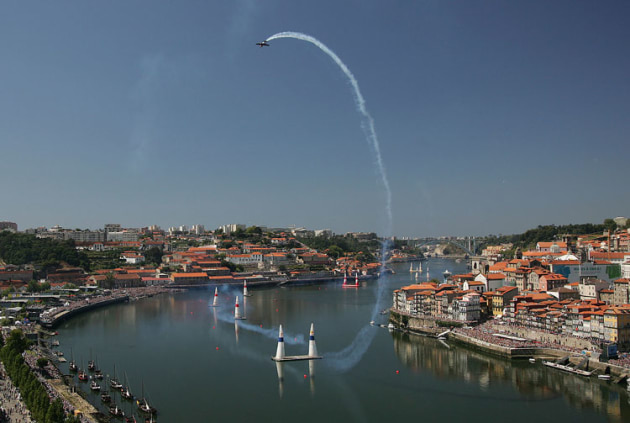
pixel 67 314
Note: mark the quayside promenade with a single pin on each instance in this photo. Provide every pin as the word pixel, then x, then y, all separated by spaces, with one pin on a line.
pixel 511 341
pixel 52 318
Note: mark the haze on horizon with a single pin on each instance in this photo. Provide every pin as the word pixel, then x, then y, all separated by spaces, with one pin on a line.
pixel 492 117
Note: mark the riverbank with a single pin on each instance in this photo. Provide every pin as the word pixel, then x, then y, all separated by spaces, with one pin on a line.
pixel 51 320
pixel 502 343
pixel 275 282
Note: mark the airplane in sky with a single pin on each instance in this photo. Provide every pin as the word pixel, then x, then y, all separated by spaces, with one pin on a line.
pixel 263 44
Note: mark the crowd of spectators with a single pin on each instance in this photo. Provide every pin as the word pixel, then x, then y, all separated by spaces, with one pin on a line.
pixel 30 358
pixel 488 332
pixel 12 409
pixel 622 360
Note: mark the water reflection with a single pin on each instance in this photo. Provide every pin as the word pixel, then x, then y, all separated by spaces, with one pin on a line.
pixel 280 371
pixel 311 374
pixel 533 382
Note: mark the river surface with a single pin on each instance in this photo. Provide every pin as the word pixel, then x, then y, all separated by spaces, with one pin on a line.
pixel 196 366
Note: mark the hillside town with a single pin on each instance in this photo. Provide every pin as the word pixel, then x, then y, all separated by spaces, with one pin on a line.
pixel 576 288
pixel 150 260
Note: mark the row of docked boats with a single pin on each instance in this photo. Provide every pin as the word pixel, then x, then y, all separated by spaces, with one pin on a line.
pixel 116 386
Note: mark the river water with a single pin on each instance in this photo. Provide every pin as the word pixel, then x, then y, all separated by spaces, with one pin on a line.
pixel 195 365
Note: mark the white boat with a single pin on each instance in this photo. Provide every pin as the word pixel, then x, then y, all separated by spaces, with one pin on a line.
pixel 567 368
pixel 391 326
pixel 603 377
pixel 95 386
pixel 532 360
pixel 114 383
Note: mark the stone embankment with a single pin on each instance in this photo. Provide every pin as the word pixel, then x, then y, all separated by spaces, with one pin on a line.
pixel 519 343
pixel 420 325
pixel 77 307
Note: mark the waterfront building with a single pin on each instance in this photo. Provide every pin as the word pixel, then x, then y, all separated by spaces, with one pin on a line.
pixel 617 326
pixel 232 227
pixel 502 297
pixel 16 275
pixel 190 278
pixel 154 280
pixel 314 259
pixel 8 226
pixel 498 267
pixel 621 293
pixel 126 280
pixel 245 259
pixel 612 257
pixel 123 236
pixel 563 293
pixel 533 278
pixel 589 289
pixel 551 281
pixel 607 296
pixel 492 281
pixel 276 259
pixel 466 308
pixel 575 271
pixel 131 257
pixel 553 247
pixel 473 285
pixel 325 233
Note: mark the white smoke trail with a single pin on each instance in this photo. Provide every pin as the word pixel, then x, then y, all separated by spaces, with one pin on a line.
pixel 367 124
pixel 351 355
pixel 225 316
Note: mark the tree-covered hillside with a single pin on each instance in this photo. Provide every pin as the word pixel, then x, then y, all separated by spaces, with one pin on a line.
pixel 18 249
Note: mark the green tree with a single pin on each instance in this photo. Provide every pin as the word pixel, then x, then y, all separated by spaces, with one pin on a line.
pixel 17 342
pixel 255 231
pixel 610 225
pixel 109 281
pixel 154 255
pixel 55 413
pixel 335 251
pixel 33 286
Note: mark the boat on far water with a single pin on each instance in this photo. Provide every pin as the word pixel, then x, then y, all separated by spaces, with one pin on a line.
pixel 73 365
pixel 113 382
pixel 143 404
pixel 125 392
pixel 106 397
pixel 116 412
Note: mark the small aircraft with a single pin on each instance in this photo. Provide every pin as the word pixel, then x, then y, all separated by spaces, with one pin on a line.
pixel 263 44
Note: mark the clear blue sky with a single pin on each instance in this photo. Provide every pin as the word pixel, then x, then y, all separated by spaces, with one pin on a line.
pixel 493 116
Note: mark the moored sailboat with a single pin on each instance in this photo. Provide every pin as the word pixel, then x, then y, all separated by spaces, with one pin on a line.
pixel 116 411
pixel 125 392
pixel 143 404
pixel 72 366
pixel 113 382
